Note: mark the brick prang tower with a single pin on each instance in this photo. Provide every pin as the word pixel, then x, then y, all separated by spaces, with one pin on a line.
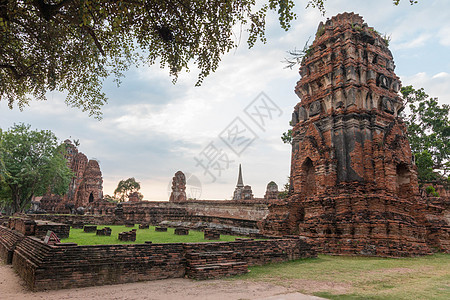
pixel 353 184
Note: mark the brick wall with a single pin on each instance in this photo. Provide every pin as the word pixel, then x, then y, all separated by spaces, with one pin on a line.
pixel 38 228
pixel 55 267
pixel 8 241
pixel 260 252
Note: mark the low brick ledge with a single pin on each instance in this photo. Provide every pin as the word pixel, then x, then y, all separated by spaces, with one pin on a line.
pixel 40 264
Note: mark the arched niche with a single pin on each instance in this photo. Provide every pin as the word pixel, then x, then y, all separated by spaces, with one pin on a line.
pixel 309 177
pixel 403 180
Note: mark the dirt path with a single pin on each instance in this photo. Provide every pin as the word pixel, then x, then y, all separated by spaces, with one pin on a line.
pixel 12 287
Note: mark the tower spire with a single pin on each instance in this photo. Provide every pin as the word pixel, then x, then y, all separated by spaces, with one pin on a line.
pixel 240 182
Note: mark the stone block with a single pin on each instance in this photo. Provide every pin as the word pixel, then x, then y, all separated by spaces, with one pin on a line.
pixel 181 231
pixel 90 228
pixel 211 235
pixel 129 236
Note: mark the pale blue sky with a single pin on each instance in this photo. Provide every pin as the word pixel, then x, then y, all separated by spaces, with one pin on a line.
pixel 152 128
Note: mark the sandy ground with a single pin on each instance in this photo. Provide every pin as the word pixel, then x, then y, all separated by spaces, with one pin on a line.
pixel 12 287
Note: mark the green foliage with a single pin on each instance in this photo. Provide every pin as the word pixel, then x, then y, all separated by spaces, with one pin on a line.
pixel 73 45
pixel 356 27
pixel 82 238
pixel 424 163
pixel 125 188
pixel 386 38
pixel 320 31
pixel 5 198
pixel 396 2
pixel 287 137
pixel 430 190
pixel 428 126
pixel 285 192
pixel 111 199
pixel 33 163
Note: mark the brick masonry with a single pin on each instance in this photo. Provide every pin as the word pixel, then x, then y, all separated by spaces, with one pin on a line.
pixel 8 241
pixel 210 234
pixel 354 186
pixel 67 266
pixel 38 228
pixel 85 188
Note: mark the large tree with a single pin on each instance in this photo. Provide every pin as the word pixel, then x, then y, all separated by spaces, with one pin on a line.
pixel 125 188
pixel 428 126
pixel 33 164
pixel 73 45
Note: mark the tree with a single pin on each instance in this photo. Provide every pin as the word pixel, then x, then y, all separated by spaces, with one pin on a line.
pixel 33 163
pixel 285 192
pixel 73 45
pixel 428 126
pixel 286 137
pixel 125 188
pixel 111 199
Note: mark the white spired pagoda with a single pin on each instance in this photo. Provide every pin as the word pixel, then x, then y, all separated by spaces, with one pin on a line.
pixel 242 192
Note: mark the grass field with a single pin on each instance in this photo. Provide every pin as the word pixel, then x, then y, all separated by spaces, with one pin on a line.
pixel 81 238
pixel 340 277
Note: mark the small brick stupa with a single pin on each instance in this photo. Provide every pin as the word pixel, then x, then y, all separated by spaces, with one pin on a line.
pixel 354 186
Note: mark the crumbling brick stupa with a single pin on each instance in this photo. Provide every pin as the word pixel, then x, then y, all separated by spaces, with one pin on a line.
pixel 85 188
pixel 354 187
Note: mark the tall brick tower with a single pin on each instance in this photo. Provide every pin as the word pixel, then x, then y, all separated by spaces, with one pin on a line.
pixel 354 186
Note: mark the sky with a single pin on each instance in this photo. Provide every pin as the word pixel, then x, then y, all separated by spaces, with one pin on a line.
pixel 152 128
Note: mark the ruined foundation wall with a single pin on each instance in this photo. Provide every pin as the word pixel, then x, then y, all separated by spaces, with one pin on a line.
pixel 246 210
pixel 8 241
pixel 66 266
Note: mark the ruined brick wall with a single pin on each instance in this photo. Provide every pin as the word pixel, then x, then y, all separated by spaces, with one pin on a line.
pixel 261 252
pixel 353 182
pixel 43 266
pixel 149 210
pixel 55 267
pixel 80 219
pixel 85 188
pixel 38 228
pixel 8 241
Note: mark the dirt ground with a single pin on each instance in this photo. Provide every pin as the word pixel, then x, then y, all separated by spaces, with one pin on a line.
pixel 12 287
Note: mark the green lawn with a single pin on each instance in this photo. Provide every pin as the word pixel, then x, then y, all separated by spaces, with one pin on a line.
pixel 81 238
pixel 341 277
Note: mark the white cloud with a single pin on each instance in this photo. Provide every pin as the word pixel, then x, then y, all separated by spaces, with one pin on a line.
pixel 435 85
pixel 444 36
pixel 419 41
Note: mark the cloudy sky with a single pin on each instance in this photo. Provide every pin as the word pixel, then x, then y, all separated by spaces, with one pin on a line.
pixel 152 128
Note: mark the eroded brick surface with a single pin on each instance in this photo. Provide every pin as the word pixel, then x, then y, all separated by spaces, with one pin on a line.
pixel 85 188
pixel 354 186
pixel 68 265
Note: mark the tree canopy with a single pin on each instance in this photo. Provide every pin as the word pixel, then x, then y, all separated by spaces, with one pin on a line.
pixel 73 45
pixel 428 125
pixel 33 164
pixel 125 188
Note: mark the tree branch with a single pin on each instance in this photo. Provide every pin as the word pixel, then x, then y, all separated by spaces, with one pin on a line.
pixel 94 37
